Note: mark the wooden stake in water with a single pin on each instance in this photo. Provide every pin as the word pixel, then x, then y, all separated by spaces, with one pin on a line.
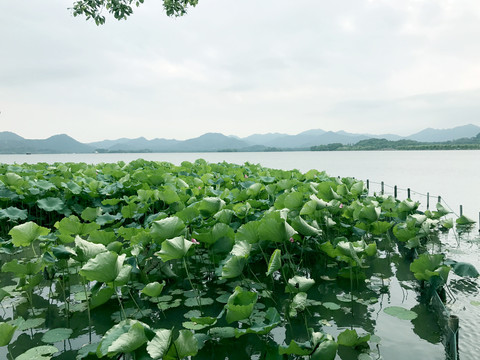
pixel 368 186
pixel 382 188
pixel 408 193
pixel 395 191
pixel 461 210
pixel 428 200
pixel 439 199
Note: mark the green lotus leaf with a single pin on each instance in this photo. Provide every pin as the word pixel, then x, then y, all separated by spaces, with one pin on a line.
pixel 167 228
pixel 274 228
pixel 240 305
pixel 232 266
pixel 327 350
pixel 275 262
pixel 129 341
pixel 248 232
pixel 51 204
pixel 350 338
pixel 63 253
pixel 464 220
pixel 6 333
pixel 101 237
pixel 91 214
pixel 224 216
pixel 426 265
pixel 101 297
pixel 403 233
pixel 129 211
pixel 22 269
pixel 104 267
pixel 159 345
pixel 107 218
pixel 25 234
pixel 298 304
pixel 55 335
pixel 219 232
pixel 299 284
pixel 43 352
pixel 30 323
pixel 185 345
pixel 222 332
pixel 331 306
pixel 72 226
pixel 380 227
pixel 175 248
pixel 125 336
pixel 210 206
pixel 87 250
pixel 272 320
pixel 462 268
pixel 13 214
pixel 400 312
pixel 295 348
pixel 198 301
pixel 304 228
pixel 153 289
pixel 124 275
pixel 369 214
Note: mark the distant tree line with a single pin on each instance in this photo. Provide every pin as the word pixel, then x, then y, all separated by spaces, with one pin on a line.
pixel 472 143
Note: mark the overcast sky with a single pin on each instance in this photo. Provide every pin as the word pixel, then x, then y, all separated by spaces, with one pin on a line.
pixel 240 67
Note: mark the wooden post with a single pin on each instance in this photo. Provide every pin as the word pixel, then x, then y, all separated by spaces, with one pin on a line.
pixel 368 185
pixel 395 191
pixel 382 188
pixel 439 199
pixel 428 200
pixel 408 193
pixel 461 210
pixel 453 324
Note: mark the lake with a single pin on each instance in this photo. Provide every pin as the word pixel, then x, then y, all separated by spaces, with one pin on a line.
pixel 453 175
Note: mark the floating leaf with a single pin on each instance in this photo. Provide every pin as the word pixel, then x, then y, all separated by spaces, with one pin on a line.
pixel 43 352
pixel 400 312
pixel 55 335
pixel 13 213
pixel 299 284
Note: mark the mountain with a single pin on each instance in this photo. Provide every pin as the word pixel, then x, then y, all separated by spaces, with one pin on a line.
pixel 437 135
pixel 11 143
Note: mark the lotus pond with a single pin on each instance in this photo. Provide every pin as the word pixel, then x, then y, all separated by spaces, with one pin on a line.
pixel 148 260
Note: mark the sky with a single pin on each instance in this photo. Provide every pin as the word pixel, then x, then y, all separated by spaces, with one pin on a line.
pixel 240 68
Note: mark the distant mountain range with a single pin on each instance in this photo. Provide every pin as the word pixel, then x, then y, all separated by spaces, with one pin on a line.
pixel 11 143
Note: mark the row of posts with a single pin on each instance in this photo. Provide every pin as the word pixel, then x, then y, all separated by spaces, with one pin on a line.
pixel 382 184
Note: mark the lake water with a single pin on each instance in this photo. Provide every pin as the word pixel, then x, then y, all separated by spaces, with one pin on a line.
pixel 453 175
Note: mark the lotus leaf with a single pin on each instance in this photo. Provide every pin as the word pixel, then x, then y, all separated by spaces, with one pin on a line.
pixel 298 304
pixel 125 336
pixel 185 345
pixel 104 267
pixel 274 228
pixel 6 333
pixel 400 312
pixel 350 338
pixel 25 234
pixel 295 348
pixel 43 352
pixel 175 248
pixel 13 214
pixel 153 289
pixel 275 262
pixel 87 250
pixel 159 345
pixel 55 335
pixel 240 305
pixel 167 228
pixel 299 284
